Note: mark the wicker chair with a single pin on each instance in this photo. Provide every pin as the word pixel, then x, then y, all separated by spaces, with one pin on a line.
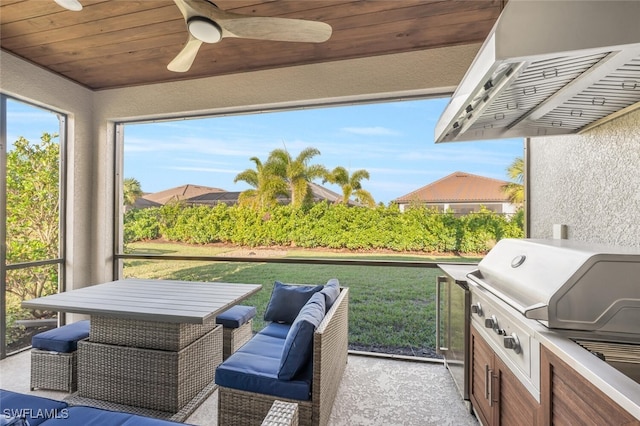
pixel 282 414
pixel 330 345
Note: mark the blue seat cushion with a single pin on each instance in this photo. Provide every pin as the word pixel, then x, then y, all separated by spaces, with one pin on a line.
pixel 331 292
pixel 298 345
pixel 62 339
pixel 90 416
pixel 36 409
pixel 276 329
pixel 287 300
pixel 236 316
pixel 254 368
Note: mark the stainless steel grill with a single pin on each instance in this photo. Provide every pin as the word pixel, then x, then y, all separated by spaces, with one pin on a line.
pixel 566 284
pixel 586 293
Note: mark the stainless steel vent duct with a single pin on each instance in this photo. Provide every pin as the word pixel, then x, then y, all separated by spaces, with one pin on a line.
pixel 548 68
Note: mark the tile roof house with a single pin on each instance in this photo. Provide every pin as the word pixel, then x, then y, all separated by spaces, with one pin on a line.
pixel 179 193
pixel 461 193
pixel 202 195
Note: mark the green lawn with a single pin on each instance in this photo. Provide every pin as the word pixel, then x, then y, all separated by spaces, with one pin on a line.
pixel 391 308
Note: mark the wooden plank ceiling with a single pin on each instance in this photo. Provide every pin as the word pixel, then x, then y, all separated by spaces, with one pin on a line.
pixel 120 43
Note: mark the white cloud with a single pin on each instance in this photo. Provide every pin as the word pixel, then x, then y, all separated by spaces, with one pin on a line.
pixel 371 131
pixel 196 145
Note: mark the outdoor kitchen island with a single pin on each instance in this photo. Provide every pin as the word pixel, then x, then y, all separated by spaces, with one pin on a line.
pixel 554 334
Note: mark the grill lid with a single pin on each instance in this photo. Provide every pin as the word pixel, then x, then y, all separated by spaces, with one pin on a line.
pixel 568 284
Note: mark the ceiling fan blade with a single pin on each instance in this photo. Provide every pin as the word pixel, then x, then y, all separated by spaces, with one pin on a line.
pixel 256 27
pixel 276 29
pixel 184 8
pixel 209 24
pixel 187 55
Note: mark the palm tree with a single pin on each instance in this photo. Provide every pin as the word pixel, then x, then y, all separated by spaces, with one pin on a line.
pixel 297 173
pixel 515 190
pixel 131 191
pixel 266 183
pixel 351 185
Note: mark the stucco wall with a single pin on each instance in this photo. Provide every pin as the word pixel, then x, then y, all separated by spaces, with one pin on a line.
pixel 590 182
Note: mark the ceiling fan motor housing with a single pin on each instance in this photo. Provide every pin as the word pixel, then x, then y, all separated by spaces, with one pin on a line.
pixel 204 29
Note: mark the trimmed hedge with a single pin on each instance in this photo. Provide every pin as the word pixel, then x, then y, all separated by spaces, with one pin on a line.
pixel 326 225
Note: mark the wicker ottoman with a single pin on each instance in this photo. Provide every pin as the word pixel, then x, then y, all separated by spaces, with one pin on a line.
pixel 237 323
pixel 149 378
pixel 54 359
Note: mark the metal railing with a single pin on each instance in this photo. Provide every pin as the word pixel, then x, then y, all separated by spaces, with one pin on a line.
pixel 371 303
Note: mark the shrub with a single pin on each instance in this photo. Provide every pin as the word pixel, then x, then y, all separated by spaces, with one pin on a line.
pixel 325 225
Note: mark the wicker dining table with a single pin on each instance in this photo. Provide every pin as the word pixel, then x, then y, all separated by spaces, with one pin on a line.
pixel 153 344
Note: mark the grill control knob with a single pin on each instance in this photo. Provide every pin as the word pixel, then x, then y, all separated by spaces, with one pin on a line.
pixel 512 342
pixel 492 323
pixel 477 309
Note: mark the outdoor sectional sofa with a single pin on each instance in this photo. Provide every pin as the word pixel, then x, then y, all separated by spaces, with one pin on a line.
pixel 299 357
pixel 37 410
pixel 19 409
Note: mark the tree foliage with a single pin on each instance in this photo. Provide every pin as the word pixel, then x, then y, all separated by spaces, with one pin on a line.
pixel 132 190
pixel 266 182
pixel 297 172
pixel 351 185
pixel 33 208
pixel 284 175
pixel 515 190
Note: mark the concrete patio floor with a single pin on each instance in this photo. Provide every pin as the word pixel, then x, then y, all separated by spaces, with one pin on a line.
pixel 373 391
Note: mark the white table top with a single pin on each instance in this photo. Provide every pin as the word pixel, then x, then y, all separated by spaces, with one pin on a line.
pixel 149 300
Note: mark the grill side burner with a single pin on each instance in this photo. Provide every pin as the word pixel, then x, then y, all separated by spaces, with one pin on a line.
pixel 624 357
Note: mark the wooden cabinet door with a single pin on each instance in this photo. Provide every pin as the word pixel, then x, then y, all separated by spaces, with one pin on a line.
pixel 569 399
pixel 481 378
pixel 515 405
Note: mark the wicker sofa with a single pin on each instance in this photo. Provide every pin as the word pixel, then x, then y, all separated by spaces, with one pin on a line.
pixel 239 404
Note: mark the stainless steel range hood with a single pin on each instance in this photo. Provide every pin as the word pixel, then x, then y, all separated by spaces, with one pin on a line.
pixel 549 68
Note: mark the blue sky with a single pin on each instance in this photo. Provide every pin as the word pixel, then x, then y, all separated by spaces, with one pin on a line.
pixel 394 141
pixel 29 122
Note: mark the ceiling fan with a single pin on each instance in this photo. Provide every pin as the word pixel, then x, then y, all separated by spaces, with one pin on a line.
pixel 206 23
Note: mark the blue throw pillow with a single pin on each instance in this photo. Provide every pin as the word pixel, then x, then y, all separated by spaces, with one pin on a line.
pixel 287 300
pixel 299 342
pixel 331 292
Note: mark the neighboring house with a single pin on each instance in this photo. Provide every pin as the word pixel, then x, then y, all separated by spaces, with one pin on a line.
pixel 461 193
pixel 143 203
pixel 318 192
pixel 180 193
pixel 201 195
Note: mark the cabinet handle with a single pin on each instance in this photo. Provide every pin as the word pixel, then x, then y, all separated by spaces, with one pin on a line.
pixel 489 385
pixel 487 379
